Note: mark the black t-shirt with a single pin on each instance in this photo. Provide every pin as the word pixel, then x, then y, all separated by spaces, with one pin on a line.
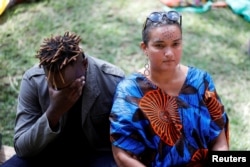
pixel 71 143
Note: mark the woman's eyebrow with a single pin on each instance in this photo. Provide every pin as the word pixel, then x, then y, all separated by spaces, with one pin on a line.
pixel 178 39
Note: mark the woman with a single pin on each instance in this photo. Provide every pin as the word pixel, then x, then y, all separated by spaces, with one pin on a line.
pixel 167 114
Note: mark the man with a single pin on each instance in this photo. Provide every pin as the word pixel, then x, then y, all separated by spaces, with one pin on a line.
pixel 63 108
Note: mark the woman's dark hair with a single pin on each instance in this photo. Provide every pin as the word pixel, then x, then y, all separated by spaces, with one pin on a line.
pixel 149 25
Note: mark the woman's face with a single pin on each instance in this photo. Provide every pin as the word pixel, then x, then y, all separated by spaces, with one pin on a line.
pixel 164 49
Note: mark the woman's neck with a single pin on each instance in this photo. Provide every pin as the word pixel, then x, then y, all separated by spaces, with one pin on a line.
pixel 171 81
pixel 166 77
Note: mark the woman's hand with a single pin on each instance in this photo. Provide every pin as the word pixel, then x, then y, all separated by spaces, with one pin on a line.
pixel 125 159
pixel 221 143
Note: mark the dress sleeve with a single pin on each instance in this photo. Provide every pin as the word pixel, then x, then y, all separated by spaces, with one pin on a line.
pixel 126 126
pixel 219 118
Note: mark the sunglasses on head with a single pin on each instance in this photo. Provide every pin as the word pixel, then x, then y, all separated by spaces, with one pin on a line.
pixel 159 17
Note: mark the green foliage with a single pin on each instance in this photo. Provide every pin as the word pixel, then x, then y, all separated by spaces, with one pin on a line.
pixel 216 41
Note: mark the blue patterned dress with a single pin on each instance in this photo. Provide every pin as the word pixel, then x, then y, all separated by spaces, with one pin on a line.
pixel 164 130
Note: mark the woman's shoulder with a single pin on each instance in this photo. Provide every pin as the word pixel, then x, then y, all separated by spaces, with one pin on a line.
pixel 132 77
pixel 136 77
pixel 197 76
pixel 198 72
pixel 132 80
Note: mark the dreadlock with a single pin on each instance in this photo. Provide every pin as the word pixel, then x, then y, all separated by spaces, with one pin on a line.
pixel 57 52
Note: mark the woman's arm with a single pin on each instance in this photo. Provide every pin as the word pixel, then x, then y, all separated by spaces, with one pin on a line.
pixel 220 143
pixel 125 159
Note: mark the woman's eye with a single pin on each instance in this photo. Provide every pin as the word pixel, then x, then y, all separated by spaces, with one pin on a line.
pixel 159 45
pixel 177 43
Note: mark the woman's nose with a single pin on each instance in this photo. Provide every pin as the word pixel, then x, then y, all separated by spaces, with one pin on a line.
pixel 168 51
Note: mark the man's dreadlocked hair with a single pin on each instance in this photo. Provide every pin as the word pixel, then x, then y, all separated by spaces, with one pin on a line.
pixel 57 52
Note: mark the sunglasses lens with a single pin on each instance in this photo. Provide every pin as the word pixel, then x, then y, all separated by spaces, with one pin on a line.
pixel 172 15
pixel 155 17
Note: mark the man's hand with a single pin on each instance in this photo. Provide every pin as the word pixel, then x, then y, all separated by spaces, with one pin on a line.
pixel 62 100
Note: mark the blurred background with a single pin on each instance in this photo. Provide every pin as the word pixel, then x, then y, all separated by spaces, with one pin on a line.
pixel 217 40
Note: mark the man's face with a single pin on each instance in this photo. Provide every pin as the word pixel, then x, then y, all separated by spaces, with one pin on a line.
pixel 66 76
